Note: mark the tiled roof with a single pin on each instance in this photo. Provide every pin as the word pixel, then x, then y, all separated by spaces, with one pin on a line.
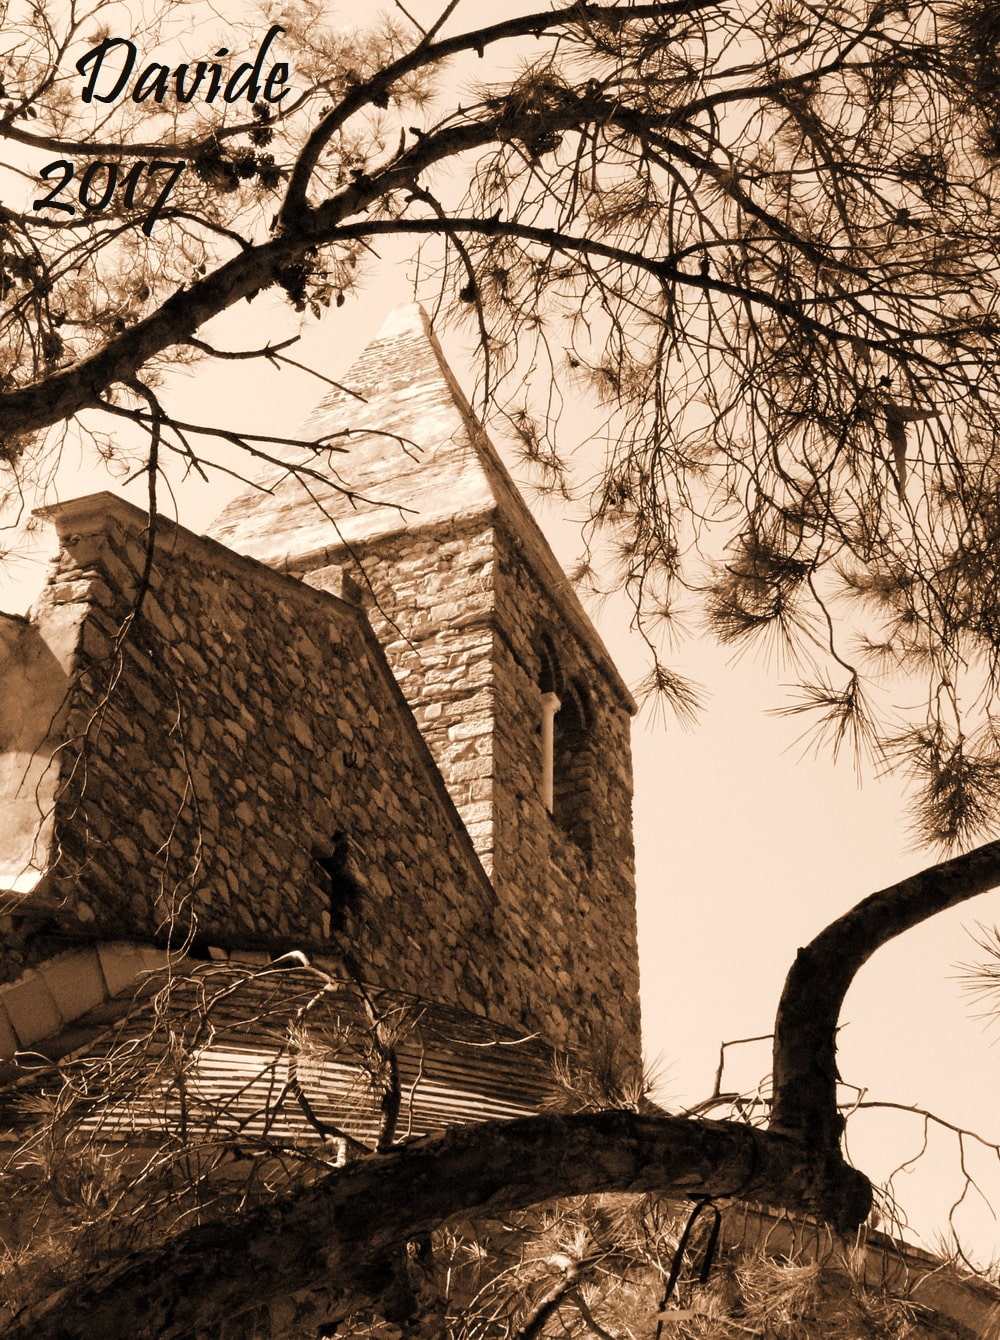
pixel 285 1053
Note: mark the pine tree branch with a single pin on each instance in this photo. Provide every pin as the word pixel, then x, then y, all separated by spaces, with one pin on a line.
pixel 805 1046
pixel 339 1232
pixel 374 92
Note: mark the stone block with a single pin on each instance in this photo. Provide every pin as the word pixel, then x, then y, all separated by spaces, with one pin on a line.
pixel 67 591
pixel 121 964
pixel 154 613
pixel 300 729
pixel 31 1009
pixel 153 959
pixel 245 814
pixel 95 644
pixel 480 812
pixel 471 729
pixel 152 826
pixel 75 981
pixel 193 659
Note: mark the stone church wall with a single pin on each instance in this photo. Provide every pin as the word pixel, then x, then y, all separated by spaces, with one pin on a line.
pixel 459 612
pixel 429 595
pixel 215 750
pixel 481 628
pixel 576 901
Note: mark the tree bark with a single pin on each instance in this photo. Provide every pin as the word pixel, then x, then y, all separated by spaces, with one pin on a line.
pixel 63 394
pixel 805 1032
pixel 342 1233
pixel 346 1234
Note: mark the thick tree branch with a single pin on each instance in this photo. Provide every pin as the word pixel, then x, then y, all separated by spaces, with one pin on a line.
pixel 339 1233
pixel 374 92
pixel 63 394
pixel 897 339
pixel 93 148
pixel 805 1066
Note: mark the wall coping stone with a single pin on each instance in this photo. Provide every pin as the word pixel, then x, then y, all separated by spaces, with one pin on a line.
pixel 37 1006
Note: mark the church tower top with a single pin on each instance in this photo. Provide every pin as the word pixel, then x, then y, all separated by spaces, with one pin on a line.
pixel 414 456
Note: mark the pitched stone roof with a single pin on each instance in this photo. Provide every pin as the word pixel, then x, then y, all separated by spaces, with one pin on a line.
pixel 415 456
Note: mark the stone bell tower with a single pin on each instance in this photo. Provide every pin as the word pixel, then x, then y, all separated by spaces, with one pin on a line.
pixel 513 690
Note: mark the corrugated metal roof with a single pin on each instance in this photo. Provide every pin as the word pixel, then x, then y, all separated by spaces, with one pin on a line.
pixel 286 1053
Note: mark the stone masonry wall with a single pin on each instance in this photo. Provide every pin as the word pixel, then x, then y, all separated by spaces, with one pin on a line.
pixel 428 593
pixel 34 677
pixel 243 721
pixel 431 516
pixel 459 611
pixel 575 906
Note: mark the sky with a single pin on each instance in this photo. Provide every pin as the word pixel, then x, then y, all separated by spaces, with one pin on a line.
pixel 745 848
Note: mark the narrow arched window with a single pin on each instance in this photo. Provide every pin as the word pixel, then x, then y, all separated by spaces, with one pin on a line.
pixel 573 766
pixel 567 764
pixel 549 679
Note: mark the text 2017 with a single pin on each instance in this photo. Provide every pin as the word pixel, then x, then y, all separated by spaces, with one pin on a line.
pixel 99 183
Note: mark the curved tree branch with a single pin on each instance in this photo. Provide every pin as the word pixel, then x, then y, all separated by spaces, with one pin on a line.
pixel 65 393
pixel 897 338
pixel 805 1065
pixel 345 1232
pixel 62 394
pixel 374 92
pixel 342 1233
pixel 93 148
